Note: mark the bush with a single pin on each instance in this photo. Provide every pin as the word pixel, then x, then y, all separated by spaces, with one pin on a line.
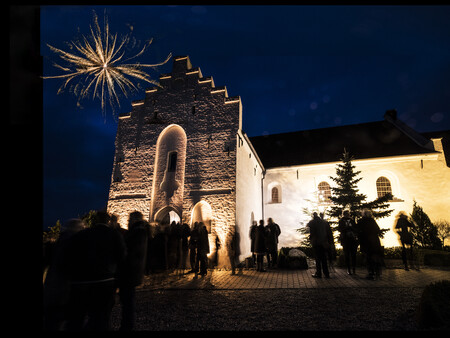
pixel 393 252
pixel 434 306
pixel 434 257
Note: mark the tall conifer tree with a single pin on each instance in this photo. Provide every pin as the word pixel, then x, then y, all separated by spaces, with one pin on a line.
pixel 346 195
pixel 424 232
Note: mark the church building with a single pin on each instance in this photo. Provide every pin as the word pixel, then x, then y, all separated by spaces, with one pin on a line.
pixel 181 155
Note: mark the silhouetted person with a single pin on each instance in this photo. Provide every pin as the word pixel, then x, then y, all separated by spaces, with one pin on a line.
pixel 319 234
pixel 185 233
pixel 92 260
pixel 260 246
pixel 216 254
pixel 370 243
pixel 115 225
pixel 349 240
pixel 193 245
pixel 231 245
pixel 331 250
pixel 131 271
pixel 57 285
pixel 272 242
pixel 157 249
pixel 402 226
pixel 252 235
pixel 150 259
pixel 203 249
pixel 174 245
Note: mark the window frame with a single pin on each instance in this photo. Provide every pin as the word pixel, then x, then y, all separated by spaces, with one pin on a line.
pixel 326 198
pixel 382 186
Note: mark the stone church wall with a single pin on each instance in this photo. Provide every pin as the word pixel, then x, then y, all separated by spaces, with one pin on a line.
pixel 188 104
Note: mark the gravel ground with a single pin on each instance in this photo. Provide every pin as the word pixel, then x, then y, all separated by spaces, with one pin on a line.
pixel 276 309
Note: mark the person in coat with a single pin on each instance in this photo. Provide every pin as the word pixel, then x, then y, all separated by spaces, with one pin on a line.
pixel 174 245
pixel 232 245
pixel 203 249
pixel 370 244
pixel 131 272
pixel 252 234
pixel 319 234
pixel 402 226
pixel 91 262
pixel 260 246
pixel 273 231
pixel 193 244
pixel 185 233
pixel 56 289
pixel 349 240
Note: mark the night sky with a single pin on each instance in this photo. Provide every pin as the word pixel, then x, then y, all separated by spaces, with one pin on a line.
pixel 294 67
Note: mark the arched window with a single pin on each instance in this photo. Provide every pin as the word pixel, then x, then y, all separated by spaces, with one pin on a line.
pixel 172 161
pixel 275 195
pixel 324 192
pixel 383 186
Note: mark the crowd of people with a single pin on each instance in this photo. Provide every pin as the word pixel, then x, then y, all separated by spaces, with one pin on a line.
pixel 89 265
pixel 365 233
pixel 264 242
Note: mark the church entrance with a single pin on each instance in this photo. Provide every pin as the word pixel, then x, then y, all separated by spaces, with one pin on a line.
pixel 202 212
pixel 167 215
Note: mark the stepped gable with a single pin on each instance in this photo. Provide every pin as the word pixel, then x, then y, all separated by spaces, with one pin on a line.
pixel 184 76
pixel 363 141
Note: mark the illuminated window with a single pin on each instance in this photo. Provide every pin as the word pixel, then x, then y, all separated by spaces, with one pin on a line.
pixel 172 162
pixel 324 192
pixel 383 186
pixel 276 195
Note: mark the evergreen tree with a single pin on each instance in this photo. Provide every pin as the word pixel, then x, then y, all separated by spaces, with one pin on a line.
pixel 346 194
pixel 424 232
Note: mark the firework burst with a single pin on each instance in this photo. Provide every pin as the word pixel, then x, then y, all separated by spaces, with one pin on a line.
pixel 99 65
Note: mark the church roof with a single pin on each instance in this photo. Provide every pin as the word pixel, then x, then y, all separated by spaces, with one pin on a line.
pixel 363 141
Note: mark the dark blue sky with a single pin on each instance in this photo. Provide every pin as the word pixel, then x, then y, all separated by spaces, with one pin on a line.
pixel 294 67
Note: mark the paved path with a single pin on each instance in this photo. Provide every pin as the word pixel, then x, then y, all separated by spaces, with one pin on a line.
pixel 292 279
pixel 280 300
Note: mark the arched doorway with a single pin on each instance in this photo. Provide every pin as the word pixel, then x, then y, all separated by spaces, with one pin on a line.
pixel 202 212
pixel 167 215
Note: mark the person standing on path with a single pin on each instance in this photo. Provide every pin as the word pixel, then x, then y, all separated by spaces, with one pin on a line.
pixel 131 272
pixel 260 246
pixel 193 243
pixel 92 260
pixel 272 243
pixel 56 289
pixel 349 240
pixel 370 244
pixel 203 249
pixel 252 235
pixel 402 226
pixel 319 237
pixel 185 233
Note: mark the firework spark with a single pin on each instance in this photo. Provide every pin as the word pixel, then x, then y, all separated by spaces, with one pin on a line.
pixel 100 66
